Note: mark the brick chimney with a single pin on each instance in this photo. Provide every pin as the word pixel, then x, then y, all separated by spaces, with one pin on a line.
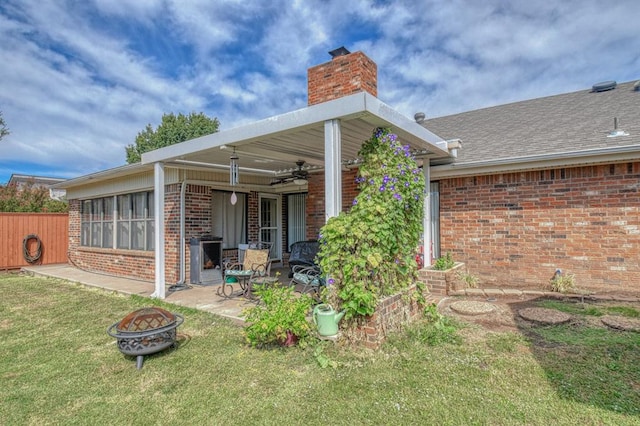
pixel 347 73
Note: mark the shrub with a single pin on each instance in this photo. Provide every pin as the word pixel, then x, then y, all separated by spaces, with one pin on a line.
pixel 444 262
pixel 563 283
pixel 469 279
pixel 279 313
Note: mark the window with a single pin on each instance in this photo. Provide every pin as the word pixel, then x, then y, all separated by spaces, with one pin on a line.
pixel 132 215
pixel 96 229
pixel 296 213
pixel 229 221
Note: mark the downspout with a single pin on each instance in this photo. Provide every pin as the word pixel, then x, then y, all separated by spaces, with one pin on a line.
pixel 181 285
pixel 427 243
pixel 183 190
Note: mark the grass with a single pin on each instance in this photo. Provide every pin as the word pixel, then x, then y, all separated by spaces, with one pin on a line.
pixel 58 366
pixel 591 310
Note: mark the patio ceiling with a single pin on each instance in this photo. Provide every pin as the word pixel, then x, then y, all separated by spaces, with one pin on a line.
pixel 272 146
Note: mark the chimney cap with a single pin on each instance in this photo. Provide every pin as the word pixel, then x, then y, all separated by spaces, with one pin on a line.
pixel 419 117
pixel 340 51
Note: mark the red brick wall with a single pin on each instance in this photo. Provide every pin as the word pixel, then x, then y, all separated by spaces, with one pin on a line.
pixel 141 264
pixel 514 230
pixel 316 200
pixel 342 76
pixel 134 264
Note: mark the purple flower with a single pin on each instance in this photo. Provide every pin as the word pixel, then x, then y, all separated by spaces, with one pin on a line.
pixel 397 196
pixel 381 188
pixel 406 184
pixel 331 281
pixel 355 201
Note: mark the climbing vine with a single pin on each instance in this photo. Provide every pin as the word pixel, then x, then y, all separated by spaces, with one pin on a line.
pixel 369 251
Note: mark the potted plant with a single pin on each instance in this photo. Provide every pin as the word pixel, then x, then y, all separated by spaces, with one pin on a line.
pixel 279 318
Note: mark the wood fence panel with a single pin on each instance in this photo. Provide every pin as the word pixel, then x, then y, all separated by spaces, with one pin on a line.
pixel 51 228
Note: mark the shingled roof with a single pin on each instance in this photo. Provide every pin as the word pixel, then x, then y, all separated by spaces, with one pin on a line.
pixel 555 126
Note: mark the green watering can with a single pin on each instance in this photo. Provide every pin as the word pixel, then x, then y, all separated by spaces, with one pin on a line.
pixel 326 319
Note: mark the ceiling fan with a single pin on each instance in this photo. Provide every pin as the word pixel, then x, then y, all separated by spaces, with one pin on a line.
pixel 298 176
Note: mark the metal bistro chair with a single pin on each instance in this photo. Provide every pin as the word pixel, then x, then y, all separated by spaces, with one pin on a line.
pixel 307 279
pixel 256 263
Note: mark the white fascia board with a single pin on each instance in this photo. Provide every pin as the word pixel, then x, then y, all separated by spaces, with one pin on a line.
pixel 113 173
pixel 353 106
pixel 291 121
pixel 400 122
pixel 537 162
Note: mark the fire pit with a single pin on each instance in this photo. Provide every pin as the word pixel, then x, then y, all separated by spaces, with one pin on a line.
pixel 145 331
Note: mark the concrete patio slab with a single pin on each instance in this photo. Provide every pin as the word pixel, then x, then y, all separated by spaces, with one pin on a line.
pixel 201 297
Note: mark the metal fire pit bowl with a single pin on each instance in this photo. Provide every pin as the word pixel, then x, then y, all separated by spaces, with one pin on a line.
pixel 145 331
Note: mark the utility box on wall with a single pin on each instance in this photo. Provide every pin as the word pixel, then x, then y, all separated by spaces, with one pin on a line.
pixel 206 260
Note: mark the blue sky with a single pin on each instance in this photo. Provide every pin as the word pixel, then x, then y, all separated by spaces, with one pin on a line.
pixel 79 80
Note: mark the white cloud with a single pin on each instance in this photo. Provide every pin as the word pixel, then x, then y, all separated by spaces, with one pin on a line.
pixel 84 77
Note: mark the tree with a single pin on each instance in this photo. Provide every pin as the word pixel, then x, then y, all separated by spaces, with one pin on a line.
pixel 173 129
pixel 4 131
pixel 29 198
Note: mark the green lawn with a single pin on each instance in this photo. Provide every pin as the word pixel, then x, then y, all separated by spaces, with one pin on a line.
pixel 58 366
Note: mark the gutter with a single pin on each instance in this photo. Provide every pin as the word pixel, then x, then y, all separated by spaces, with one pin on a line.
pixel 541 161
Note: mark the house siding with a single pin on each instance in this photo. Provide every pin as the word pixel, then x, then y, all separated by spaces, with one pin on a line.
pixel 514 230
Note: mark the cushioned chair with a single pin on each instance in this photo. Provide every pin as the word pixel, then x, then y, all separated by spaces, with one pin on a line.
pixel 307 279
pixel 256 263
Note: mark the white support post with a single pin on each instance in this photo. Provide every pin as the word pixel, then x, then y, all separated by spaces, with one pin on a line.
pixel 333 168
pixel 426 222
pixel 158 206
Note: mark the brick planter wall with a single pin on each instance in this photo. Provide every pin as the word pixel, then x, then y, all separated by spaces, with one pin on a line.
pixel 391 315
pixel 441 283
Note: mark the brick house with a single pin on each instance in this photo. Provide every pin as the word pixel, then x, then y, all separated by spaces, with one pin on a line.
pixel 517 190
pixel 546 184
pixel 141 220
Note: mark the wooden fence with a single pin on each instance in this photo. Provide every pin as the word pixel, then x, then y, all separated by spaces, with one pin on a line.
pixel 51 229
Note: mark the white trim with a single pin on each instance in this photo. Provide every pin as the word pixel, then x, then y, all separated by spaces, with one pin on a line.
pixel 333 168
pixel 359 105
pixel 158 198
pixel 536 162
pixel 426 221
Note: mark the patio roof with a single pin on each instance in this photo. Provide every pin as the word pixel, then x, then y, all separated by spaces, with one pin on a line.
pixel 273 145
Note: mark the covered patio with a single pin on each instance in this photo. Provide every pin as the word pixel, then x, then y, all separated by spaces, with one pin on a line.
pixel 327 137
pixel 276 180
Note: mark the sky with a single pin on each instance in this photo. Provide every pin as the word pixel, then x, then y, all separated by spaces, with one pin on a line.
pixel 80 79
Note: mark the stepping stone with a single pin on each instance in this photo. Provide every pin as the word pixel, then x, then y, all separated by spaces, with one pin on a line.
pixel 544 316
pixel 621 323
pixel 470 307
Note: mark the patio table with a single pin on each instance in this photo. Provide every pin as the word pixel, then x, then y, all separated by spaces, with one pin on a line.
pixel 242 277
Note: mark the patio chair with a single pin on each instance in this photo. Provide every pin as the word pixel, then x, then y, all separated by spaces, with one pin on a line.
pixel 256 263
pixel 307 279
pixel 262 245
